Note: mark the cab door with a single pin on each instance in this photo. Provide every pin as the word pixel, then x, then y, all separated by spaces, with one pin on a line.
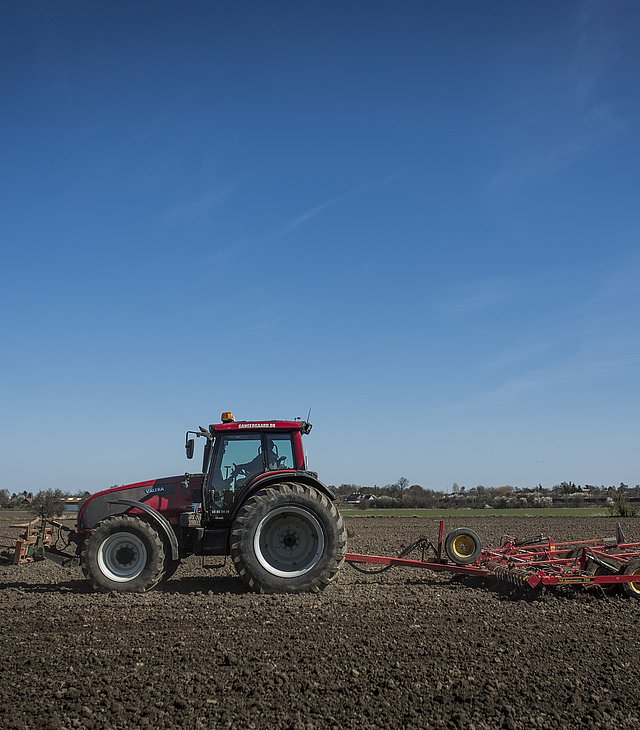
pixel 238 457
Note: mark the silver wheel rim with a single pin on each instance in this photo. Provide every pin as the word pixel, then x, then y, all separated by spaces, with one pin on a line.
pixel 289 542
pixel 122 557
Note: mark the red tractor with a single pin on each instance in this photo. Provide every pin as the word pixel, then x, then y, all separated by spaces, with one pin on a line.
pixel 255 500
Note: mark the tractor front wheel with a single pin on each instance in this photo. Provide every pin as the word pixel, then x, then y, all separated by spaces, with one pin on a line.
pixel 124 554
pixel 288 538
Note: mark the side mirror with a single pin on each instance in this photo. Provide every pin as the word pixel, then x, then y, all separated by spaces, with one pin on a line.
pixel 189 448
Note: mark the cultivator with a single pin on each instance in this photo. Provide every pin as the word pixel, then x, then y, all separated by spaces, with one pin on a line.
pixel 39 539
pixel 531 565
pixel 33 538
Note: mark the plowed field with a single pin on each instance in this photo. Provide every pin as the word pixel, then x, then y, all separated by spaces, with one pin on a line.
pixel 402 649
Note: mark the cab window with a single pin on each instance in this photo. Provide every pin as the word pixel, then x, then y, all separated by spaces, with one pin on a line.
pixel 279 452
pixel 238 459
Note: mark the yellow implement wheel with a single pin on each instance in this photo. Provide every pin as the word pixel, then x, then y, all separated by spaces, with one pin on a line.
pixel 462 546
pixel 632 589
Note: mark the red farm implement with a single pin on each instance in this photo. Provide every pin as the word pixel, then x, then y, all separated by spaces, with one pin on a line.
pixel 533 564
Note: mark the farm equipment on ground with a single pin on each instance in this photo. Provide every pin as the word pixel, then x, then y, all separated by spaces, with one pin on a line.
pixel 529 565
pixel 34 537
pixel 255 501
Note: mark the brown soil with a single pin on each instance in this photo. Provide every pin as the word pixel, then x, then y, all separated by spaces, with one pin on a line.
pixel 402 649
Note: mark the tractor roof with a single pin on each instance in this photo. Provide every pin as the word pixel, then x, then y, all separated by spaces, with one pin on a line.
pixel 269 425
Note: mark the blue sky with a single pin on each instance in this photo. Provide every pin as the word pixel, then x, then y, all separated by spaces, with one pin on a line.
pixel 419 219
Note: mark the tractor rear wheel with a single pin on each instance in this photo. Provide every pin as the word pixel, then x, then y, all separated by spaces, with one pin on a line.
pixel 288 538
pixel 124 554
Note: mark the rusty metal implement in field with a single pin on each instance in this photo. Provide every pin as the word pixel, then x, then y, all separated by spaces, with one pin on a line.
pixel 33 538
pixel 533 564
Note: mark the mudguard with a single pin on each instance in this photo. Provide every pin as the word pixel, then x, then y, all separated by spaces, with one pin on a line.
pixel 309 478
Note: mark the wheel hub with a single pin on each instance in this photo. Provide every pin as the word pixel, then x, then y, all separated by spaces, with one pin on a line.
pixel 289 542
pixel 125 556
pixel 122 557
pixel 463 545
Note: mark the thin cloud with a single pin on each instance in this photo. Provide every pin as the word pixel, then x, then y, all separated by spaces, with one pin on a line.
pixel 530 166
pixel 311 213
pixel 203 204
pixel 601 334
pixel 519 354
pixel 591 49
pixel 578 119
pixel 572 370
pixel 484 294
pixel 225 253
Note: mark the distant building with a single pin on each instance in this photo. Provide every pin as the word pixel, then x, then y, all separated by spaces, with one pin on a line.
pixel 72 504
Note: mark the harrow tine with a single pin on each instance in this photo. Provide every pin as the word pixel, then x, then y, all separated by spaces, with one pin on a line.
pixel 620 535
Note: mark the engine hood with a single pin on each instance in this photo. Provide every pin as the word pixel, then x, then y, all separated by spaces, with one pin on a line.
pixel 169 495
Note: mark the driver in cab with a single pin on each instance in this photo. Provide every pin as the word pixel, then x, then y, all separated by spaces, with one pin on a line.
pixel 256 465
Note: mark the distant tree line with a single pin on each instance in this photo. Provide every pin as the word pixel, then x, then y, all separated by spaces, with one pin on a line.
pixel 565 494
pixel 623 500
pixel 49 502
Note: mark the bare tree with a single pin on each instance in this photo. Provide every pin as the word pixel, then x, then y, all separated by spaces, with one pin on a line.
pixel 48 502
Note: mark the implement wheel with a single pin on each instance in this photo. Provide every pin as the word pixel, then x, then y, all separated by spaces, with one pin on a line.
pixel 632 589
pixel 462 546
pixel 125 554
pixel 288 538
pixel 607 589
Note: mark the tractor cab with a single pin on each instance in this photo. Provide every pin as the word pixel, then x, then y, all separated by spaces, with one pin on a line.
pixel 240 455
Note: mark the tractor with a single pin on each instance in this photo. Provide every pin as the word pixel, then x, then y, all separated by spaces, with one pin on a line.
pixel 255 501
